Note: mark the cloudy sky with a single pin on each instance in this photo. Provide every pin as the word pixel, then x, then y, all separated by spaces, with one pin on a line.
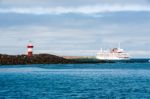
pixel 75 27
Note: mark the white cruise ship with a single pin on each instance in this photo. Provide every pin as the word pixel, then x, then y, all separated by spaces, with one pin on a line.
pixel 113 54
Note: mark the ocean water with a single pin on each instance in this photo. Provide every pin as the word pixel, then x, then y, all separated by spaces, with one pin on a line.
pixel 76 81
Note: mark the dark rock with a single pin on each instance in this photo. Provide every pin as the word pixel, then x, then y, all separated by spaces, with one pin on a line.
pixel 35 59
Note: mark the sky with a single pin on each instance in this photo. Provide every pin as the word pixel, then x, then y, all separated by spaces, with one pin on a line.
pixel 75 27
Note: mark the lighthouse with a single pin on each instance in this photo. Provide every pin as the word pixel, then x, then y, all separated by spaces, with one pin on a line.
pixel 30 49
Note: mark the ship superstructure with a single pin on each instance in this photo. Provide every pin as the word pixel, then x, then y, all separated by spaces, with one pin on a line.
pixel 113 54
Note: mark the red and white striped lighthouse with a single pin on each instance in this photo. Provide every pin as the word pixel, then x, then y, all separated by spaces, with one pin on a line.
pixel 30 49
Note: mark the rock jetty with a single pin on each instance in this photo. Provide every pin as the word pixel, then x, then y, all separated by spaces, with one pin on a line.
pixel 35 59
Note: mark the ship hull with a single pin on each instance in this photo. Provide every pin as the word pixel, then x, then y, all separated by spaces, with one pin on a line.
pixel 111 58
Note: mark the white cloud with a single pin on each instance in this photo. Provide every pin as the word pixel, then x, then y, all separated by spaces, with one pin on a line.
pixel 70 2
pixel 66 41
pixel 80 9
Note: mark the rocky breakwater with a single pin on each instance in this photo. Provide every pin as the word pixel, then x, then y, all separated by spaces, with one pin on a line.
pixel 35 59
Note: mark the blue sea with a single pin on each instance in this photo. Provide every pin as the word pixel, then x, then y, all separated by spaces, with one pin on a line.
pixel 76 81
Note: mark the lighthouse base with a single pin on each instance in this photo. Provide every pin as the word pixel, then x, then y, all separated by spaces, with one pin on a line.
pixel 29 54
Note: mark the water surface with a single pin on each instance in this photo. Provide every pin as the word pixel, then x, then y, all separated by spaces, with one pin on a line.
pixel 76 81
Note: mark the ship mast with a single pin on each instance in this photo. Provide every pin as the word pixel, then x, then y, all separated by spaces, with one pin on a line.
pixel 119 45
pixel 101 50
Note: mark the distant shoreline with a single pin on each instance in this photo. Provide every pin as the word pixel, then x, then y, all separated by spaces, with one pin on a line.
pixel 53 59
